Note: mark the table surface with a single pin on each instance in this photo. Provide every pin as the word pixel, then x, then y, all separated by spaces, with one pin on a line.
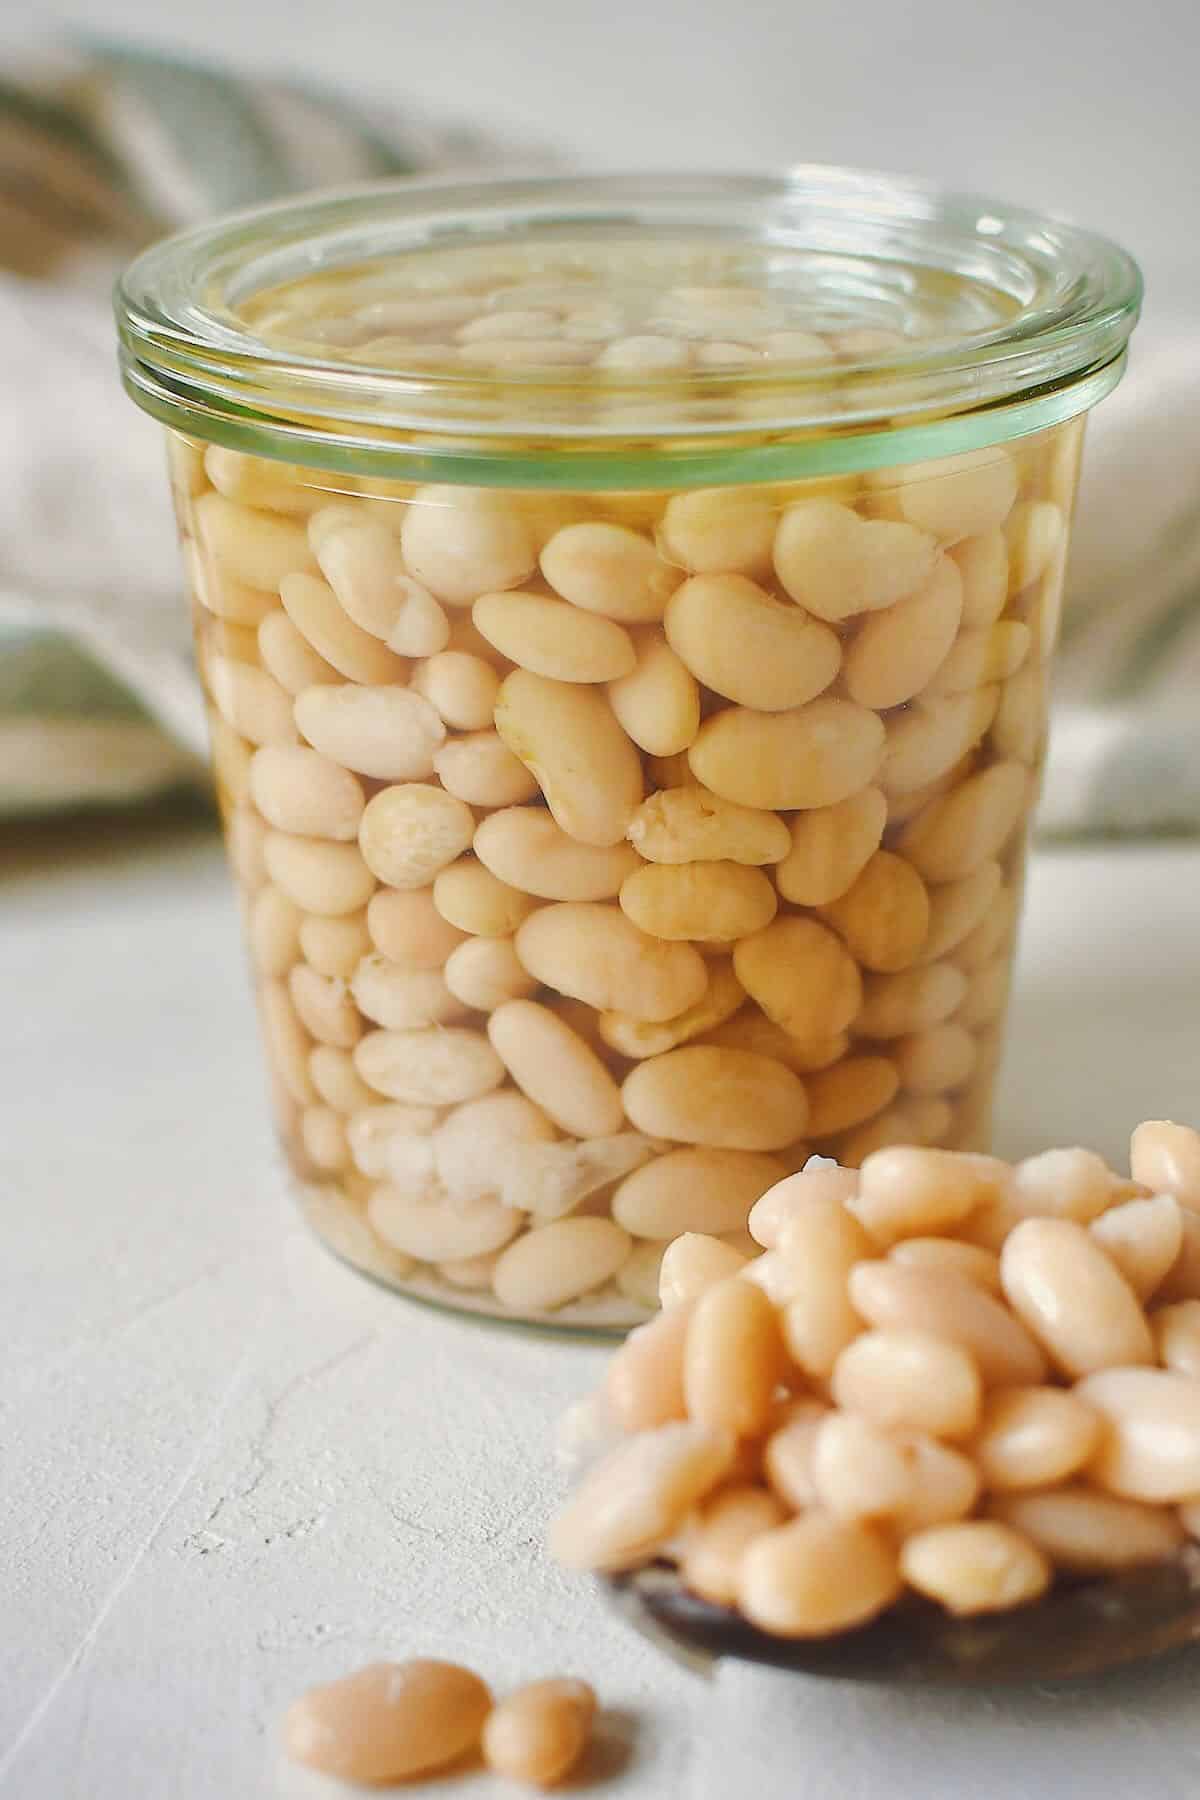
pixel 229 1467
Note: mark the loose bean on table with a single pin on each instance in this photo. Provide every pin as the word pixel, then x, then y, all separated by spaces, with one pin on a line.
pixel 389 1721
pixel 539 1733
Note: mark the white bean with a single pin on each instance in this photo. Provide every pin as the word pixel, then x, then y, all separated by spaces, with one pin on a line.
pixel 814 755
pixel 558 1263
pixel 742 642
pixel 299 790
pixel 434 1067
pixel 461 688
pixel 319 616
pixel 553 638
pixel 390 733
pixel 585 765
pixel 1071 1296
pixel 706 1191
pixel 410 832
pixel 730 1099
pixel 657 703
pixel 485 972
pixel 552 1064
pixel 320 877
pixel 609 569
pixel 837 564
pixel 462 542
pixel 596 954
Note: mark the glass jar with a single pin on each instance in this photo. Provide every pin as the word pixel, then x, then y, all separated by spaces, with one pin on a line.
pixel 624 608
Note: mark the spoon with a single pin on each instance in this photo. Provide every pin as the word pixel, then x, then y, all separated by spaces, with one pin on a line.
pixel 1079 1628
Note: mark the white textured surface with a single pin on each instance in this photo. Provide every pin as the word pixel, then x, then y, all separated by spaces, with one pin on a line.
pixel 230 1467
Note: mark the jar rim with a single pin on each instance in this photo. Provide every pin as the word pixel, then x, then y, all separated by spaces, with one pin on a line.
pixel 1067 301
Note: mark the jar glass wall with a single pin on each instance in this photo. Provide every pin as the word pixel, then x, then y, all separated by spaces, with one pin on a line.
pixel 611 837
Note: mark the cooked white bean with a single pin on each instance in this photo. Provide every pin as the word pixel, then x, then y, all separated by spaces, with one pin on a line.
pixel 220 593
pixel 691 1264
pixel 287 1042
pixel 320 877
pixel 728 1524
pixel 1090 1533
pixel 884 915
pixel 635 1497
pixel 1143 1238
pixel 485 972
pixel 898 651
pixel 609 569
pixel 558 1263
pixel 461 688
pixel 695 1190
pixel 953 836
pixel 745 644
pixel 699 902
pixel 424 1226
pixel 251 546
pixel 552 1064
pixel 911 1193
pixel 478 902
pixel 814 755
pixel 958 497
pixel 1033 1437
pixel 815 1576
pixel 830 847
pixel 1073 1299
pixel 408 928
pixel 893 1296
pixel 637 1279
pixel 637 1038
pixel 658 702
pixel 409 833
pixel 1034 532
pixel 390 733
pixel 360 559
pixel 729 1099
pixel 462 542
pixel 553 638
pixel 914 1000
pixel 801 975
pixel 958 907
pixel 928 741
pixel 818 1246
pixel 1151 1446
pixel 910 1380
pixel 936 1061
pixel 336 1079
pixel 733 1358
pixel 837 564
pixel 373 1130
pixel 388 1721
pixel 983 564
pixel 947 1256
pixel 318 615
pixel 402 999
pixel 858 1470
pixel 750 1029
pixel 975 1566
pixel 287 655
pixel 325 1007
pixel 323 1136
pixel 821 1178
pixel 1070 1184
pixel 435 1067
pixel 482 770
pixel 469 1146
pixel 299 790
pixel 274 931
pixel 849 1094
pixel 596 954
pixel 689 824
pixel 585 765
pixel 1177 1333
pixel 1166 1157
pixel 552 1180
pixel 250 701
pixel 526 849
pixel 713 529
pixel 538 1734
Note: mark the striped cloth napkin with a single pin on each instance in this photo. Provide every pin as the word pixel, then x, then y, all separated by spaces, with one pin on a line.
pixel 105 148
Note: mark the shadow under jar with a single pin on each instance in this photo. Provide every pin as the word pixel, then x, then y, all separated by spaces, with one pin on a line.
pixel 624 608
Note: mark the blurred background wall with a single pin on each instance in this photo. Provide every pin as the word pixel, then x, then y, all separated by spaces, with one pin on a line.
pixel 1085 106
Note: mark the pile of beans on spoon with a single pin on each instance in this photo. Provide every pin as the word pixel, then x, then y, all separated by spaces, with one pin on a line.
pixel 945 1375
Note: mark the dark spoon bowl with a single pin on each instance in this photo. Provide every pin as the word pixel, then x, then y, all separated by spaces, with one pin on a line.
pixel 1079 1628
